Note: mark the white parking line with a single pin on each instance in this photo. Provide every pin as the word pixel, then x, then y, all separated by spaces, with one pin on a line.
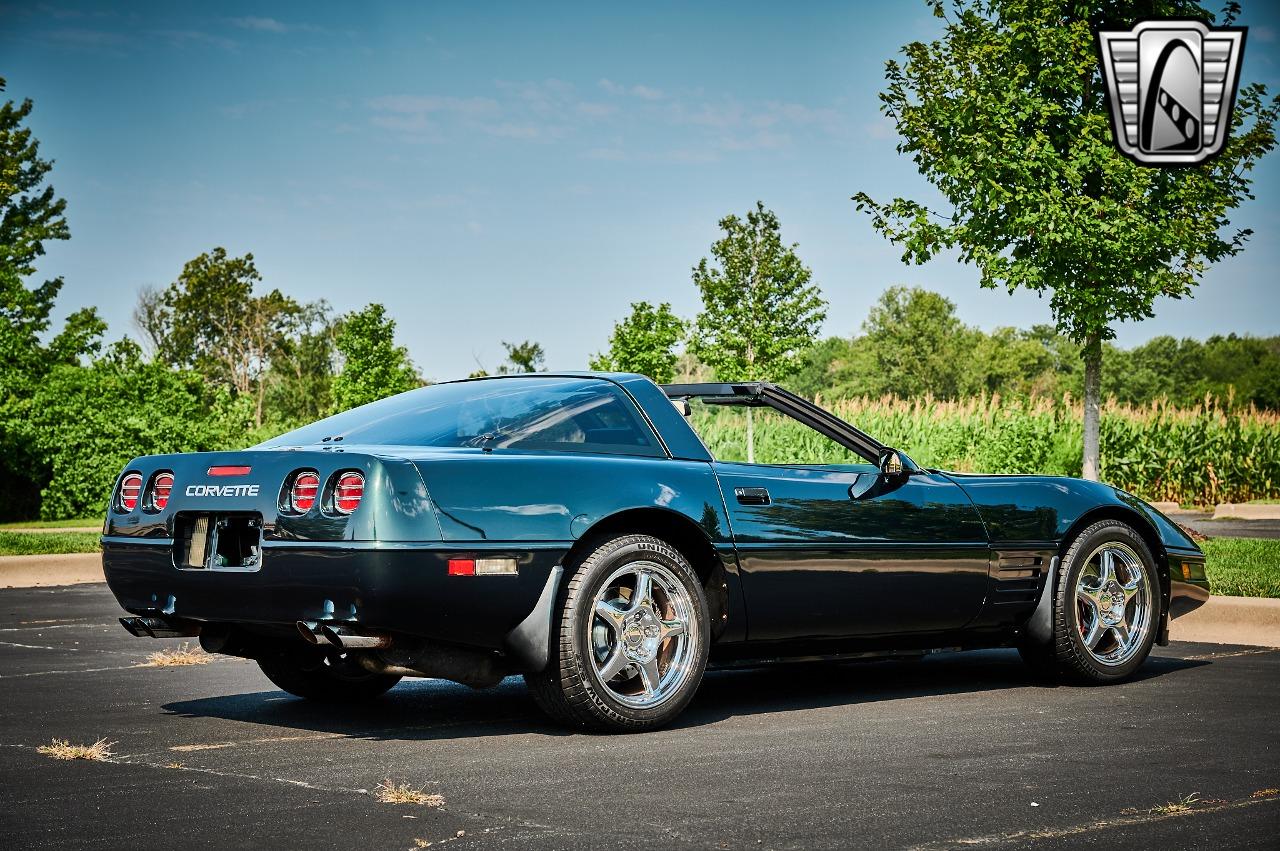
pixel 36 646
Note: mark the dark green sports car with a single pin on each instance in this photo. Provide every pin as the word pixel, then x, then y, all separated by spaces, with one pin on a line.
pixel 576 530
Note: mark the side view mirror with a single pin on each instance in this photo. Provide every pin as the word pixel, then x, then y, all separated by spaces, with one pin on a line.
pixel 895 465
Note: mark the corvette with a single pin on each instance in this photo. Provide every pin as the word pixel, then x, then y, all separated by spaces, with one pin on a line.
pixel 574 529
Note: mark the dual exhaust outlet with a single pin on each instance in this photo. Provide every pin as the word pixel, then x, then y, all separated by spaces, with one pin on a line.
pixel 341 637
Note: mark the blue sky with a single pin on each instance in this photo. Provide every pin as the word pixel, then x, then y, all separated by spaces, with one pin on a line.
pixel 503 172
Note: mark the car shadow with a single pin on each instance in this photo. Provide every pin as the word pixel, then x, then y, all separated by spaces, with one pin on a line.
pixel 424 710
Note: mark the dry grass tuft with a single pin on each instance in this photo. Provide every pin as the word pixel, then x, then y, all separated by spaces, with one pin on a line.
pixel 62 749
pixel 175 765
pixel 389 792
pixel 1265 793
pixel 184 654
pixel 1182 805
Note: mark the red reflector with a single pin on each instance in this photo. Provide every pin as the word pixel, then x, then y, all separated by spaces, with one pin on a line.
pixel 303 494
pixel 130 487
pixel 160 491
pixel 462 567
pixel 349 492
pixel 229 470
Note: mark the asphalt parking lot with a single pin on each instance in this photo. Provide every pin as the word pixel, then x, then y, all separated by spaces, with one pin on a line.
pixel 955 751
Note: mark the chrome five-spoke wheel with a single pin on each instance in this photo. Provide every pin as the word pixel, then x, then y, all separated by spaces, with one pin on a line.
pixel 641 645
pixel 1113 604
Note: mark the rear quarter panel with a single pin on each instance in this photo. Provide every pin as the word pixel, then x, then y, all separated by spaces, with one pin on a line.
pixel 503 496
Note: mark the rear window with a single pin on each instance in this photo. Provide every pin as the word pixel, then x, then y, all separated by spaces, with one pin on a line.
pixel 564 414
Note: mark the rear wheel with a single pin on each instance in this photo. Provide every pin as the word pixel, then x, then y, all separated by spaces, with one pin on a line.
pixel 1106 607
pixel 632 637
pixel 327 680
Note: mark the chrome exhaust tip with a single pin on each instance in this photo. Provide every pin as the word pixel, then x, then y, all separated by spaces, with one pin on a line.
pixel 345 639
pixel 309 632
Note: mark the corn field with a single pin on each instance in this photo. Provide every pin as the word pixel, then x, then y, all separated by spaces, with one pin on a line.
pixel 1215 452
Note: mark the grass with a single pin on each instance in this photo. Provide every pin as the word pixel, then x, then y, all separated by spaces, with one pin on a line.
pixel 47 543
pixel 1182 805
pixel 63 749
pixel 1243 567
pixel 389 792
pixel 177 657
pixel 53 524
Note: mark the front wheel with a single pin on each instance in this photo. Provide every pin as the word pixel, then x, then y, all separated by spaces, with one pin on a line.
pixel 1106 607
pixel 632 639
pixel 325 680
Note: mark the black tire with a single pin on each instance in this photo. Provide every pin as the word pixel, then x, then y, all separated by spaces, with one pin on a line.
pixel 570 690
pixel 343 682
pixel 1066 656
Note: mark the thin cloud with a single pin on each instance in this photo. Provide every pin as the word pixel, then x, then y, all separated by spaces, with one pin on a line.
pixel 640 91
pixel 255 23
pixel 266 25
pixel 425 104
pixel 184 38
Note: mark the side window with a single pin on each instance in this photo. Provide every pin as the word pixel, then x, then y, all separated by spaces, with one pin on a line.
pixel 777 439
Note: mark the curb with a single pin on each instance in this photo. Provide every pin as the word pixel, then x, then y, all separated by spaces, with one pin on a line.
pixel 51 530
pixel 47 570
pixel 1246 511
pixel 1231 620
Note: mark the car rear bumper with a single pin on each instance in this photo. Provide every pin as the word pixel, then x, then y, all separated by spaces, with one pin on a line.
pixel 400 588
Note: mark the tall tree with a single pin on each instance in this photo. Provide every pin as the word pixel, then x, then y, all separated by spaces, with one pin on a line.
pixel 526 356
pixel 373 365
pixel 916 343
pixel 298 384
pixel 759 309
pixel 31 215
pixel 211 320
pixel 1005 115
pixel 644 342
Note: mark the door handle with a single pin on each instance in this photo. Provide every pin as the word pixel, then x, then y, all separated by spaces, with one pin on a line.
pixel 752 496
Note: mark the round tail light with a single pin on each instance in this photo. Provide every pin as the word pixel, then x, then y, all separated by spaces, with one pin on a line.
pixel 160 490
pixel 348 492
pixel 302 496
pixel 130 488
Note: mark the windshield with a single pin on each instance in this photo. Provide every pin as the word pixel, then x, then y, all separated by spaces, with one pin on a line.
pixel 565 414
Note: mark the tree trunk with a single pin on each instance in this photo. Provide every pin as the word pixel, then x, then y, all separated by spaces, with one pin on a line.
pixel 1092 403
pixel 751 438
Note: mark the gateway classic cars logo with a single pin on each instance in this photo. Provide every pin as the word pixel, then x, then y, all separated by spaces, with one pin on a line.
pixel 1171 86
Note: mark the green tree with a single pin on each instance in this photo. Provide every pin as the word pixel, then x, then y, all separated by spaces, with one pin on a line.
pixel 86 422
pixel 373 365
pixel 644 342
pixel 299 382
pixel 31 214
pixel 759 309
pixel 1005 116
pixel 211 320
pixel 836 368
pixel 917 343
pixel 522 357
